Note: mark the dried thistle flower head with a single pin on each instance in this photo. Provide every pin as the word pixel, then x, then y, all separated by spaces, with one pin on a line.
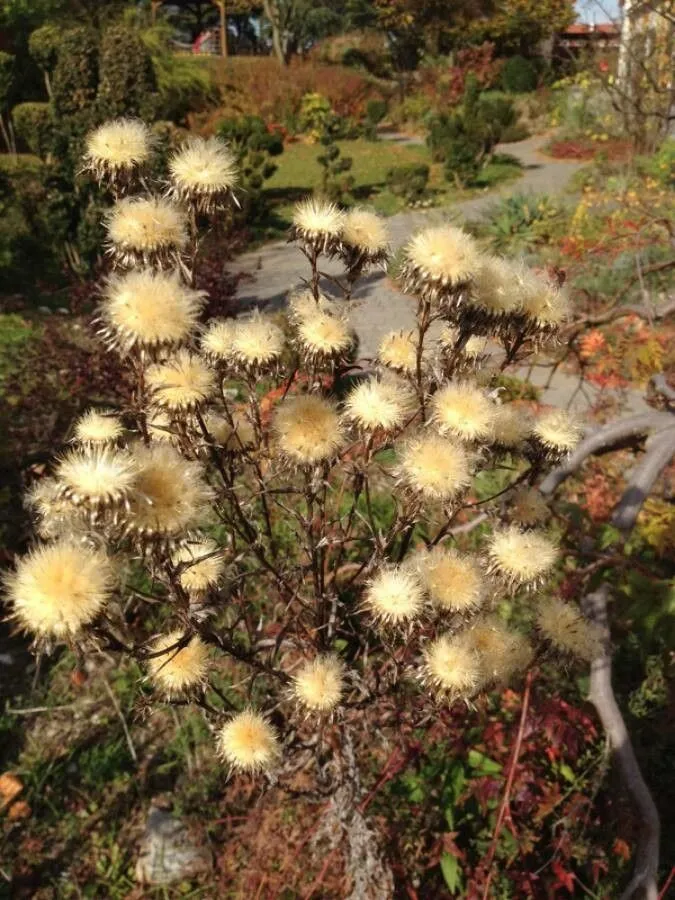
pixel 365 237
pixel 146 230
pixel 56 515
pixel 438 261
pixel 97 427
pixel 181 383
pixel 160 426
pixel 217 341
pixel 303 303
pixel 566 628
pixel 501 652
pixel 117 148
pixel 97 477
pixel 148 309
pixel 398 351
pixel 451 667
pixel 527 507
pixel 511 425
pixel 201 563
pixel 495 298
pixel 324 336
pixel 203 172
pixel 434 467
pixel 319 683
pixel 257 343
pixel 171 497
pixel 544 303
pixel 248 743
pixel 235 435
pixel 376 403
pixel 521 557
pixel 318 223
pixel 178 670
pixel 556 433
pixel 394 596
pixel 308 429
pixel 474 348
pixel 58 588
pixel 464 411
pixel 453 580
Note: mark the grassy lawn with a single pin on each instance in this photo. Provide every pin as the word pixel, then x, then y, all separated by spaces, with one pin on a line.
pixel 299 173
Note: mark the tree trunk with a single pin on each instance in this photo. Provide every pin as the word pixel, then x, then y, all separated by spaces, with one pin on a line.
pixel 272 16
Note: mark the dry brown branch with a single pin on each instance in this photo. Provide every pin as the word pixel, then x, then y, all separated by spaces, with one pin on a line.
pixel 602 697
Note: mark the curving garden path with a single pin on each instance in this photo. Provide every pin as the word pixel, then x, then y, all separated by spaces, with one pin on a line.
pixel 277 268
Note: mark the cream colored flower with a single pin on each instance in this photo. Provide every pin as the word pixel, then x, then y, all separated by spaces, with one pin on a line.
pixel 319 224
pixel 171 497
pixel 203 172
pixel 566 628
pixel 464 411
pixel 178 670
pixel 452 667
pixel 378 404
pixel 435 467
pixel 521 557
pixel 501 652
pixel 453 580
pixel 217 341
pixel 59 588
pixel 394 596
pixel 56 515
pixel 182 383
pixel 117 147
pixel 148 309
pixel 235 435
pixel 146 229
pixel 365 237
pixel 438 261
pixel 97 477
pixel 319 683
pixel 511 425
pixel 398 351
pixel 257 342
pixel 557 433
pixel 495 293
pixel 324 335
pixel 308 429
pixel 201 564
pixel 248 743
pixel 544 303
pixel 95 427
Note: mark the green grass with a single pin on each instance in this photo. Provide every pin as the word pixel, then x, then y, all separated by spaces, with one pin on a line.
pixel 16 335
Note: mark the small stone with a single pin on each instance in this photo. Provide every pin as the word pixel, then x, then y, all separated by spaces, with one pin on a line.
pixel 45 310
pixel 168 851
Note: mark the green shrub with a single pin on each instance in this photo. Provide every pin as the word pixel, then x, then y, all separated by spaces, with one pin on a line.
pixel 6 78
pixel 254 146
pixel 519 75
pixel 376 110
pixel 127 80
pixel 43 46
pixel 75 77
pixel 315 112
pixel 34 126
pixel 336 184
pixel 516 132
pixel 522 221
pixel 408 181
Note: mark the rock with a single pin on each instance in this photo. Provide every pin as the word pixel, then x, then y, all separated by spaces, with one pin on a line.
pixel 168 851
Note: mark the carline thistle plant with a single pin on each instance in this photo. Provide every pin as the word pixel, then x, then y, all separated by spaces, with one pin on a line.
pixel 245 527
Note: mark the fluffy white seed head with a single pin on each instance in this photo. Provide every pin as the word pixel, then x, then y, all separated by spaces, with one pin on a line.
pixel 148 309
pixel 307 429
pixel 95 427
pixel 495 291
pixel 545 303
pixel 453 580
pixel 203 171
pixel 511 425
pixel 324 335
pixel 234 435
pixel 452 667
pixel 118 146
pixel 56 516
pixel 181 383
pixel 557 432
pixel 377 403
pixel 394 596
pixel 217 340
pixel 463 411
pixel 59 588
pixel 319 683
pixel 566 628
pixel 248 743
pixel 501 652
pixel 434 467
pixel 146 228
pixel 398 351
pixel 97 476
pixel 178 670
pixel 257 342
pixel 440 257
pixel 366 233
pixel 202 564
pixel 521 557
pixel 318 223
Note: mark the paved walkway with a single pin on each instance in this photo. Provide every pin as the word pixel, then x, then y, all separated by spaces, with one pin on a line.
pixel 278 268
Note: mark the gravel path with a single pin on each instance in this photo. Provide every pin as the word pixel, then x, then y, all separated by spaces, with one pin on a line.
pixel 277 268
